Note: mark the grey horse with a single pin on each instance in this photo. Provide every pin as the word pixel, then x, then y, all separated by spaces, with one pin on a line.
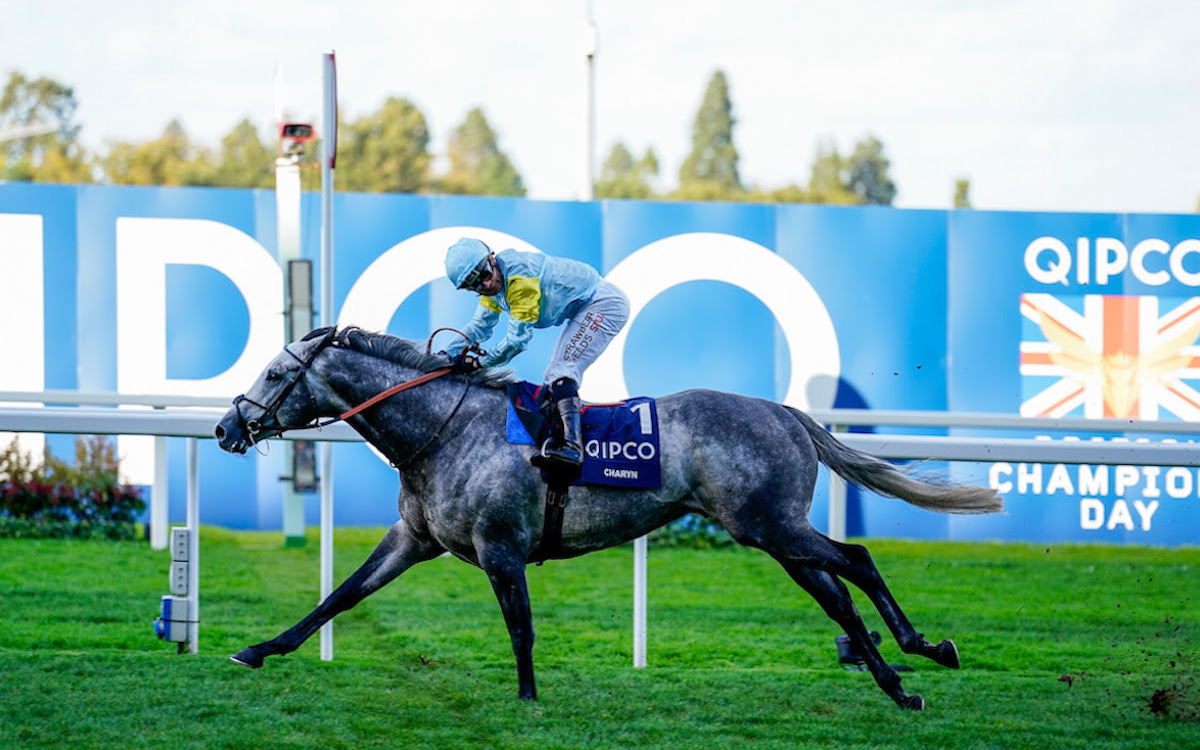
pixel 749 463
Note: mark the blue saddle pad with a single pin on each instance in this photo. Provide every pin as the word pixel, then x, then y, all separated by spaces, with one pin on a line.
pixel 620 441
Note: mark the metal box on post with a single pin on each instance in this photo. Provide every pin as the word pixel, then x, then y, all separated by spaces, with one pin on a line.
pixel 172 623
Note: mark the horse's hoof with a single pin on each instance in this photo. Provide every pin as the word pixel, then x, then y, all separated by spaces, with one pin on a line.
pixel 946 654
pixel 913 703
pixel 247 657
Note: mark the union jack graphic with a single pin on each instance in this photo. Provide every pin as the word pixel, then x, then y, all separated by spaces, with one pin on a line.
pixel 1110 356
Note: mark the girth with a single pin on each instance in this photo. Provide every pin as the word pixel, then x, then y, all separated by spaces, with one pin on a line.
pixel 556 503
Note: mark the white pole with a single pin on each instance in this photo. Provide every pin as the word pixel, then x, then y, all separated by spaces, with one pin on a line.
pixel 159 504
pixel 837 502
pixel 837 508
pixel 287 223
pixel 640 555
pixel 590 44
pixel 193 525
pixel 328 147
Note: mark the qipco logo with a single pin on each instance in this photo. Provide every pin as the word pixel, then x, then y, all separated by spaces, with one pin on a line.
pixel 612 450
pixel 1154 262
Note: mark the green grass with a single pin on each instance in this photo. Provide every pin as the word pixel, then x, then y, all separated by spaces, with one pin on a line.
pixel 1062 646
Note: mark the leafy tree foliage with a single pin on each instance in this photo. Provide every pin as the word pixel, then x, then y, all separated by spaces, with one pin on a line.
pixel 245 160
pixel 710 171
pixel 828 182
pixel 867 170
pixel 49 157
pixel 858 179
pixel 477 165
pixel 622 177
pixel 962 193
pixel 791 193
pixel 386 151
pixel 170 159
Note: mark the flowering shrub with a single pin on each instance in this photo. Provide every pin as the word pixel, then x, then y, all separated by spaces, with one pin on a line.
pixel 56 499
pixel 693 530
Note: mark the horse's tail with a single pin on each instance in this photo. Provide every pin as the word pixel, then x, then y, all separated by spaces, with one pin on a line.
pixel 893 481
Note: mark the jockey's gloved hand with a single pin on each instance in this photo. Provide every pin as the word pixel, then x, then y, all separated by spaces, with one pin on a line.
pixel 464 362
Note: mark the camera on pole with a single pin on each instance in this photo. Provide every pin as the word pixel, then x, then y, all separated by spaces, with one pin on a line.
pixel 292 137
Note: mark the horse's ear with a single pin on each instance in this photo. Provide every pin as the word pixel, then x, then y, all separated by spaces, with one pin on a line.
pixel 327 332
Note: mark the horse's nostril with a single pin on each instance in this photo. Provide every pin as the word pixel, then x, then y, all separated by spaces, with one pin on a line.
pixel 220 432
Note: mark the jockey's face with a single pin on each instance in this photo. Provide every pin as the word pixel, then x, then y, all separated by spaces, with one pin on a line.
pixel 493 282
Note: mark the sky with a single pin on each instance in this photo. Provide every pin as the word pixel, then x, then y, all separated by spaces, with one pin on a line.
pixel 1044 105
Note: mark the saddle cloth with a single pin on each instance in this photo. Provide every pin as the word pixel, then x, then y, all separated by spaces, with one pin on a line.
pixel 620 441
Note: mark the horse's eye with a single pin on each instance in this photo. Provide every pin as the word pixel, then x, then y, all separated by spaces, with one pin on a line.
pixel 273 375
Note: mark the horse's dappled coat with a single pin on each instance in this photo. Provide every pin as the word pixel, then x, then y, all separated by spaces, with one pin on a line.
pixel 749 463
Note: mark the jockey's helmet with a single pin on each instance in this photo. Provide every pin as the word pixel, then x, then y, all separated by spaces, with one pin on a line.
pixel 463 257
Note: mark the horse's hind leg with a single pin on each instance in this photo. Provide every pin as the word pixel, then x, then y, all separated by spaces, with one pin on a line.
pixel 834 598
pixel 398 552
pixel 853 562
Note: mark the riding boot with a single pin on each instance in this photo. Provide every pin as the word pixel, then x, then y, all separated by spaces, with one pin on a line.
pixel 567 453
pixel 564 454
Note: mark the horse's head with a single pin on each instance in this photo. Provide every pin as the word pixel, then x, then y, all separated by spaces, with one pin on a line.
pixel 280 398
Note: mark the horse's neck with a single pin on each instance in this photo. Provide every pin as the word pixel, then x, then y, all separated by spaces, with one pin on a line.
pixel 352 378
pixel 355 378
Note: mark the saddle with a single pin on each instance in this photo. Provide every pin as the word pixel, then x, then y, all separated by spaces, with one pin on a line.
pixel 620 441
pixel 620 448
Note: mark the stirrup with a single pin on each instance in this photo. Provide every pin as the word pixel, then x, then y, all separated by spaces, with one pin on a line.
pixel 549 457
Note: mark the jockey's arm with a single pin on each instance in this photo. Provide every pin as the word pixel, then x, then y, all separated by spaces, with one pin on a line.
pixel 514 342
pixel 479 328
pixel 524 298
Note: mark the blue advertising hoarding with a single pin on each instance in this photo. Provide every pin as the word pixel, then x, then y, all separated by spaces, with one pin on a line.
pixel 1079 315
pixel 179 290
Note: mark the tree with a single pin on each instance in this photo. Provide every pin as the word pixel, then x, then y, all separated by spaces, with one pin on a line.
pixel 386 151
pixel 170 159
pixel 962 193
pixel 477 165
pixel 828 181
pixel 867 173
pixel 711 169
pixel 54 156
pixel 245 161
pixel 621 177
pixel 861 178
pixel 60 163
pixel 791 193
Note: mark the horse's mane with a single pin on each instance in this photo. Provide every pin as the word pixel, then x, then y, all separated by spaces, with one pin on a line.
pixel 405 352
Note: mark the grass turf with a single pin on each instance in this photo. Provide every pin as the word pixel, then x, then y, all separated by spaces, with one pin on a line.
pixel 1062 645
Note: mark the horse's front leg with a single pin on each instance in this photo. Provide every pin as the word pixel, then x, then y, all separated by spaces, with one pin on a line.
pixel 398 552
pixel 505 568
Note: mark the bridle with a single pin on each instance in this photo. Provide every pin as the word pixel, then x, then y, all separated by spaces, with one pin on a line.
pixel 269 425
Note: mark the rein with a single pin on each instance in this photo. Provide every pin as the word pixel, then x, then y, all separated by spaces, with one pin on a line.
pixel 383 396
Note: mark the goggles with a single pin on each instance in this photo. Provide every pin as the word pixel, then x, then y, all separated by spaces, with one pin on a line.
pixel 480 273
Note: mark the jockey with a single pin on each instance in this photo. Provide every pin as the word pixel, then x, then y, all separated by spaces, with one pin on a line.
pixel 539 291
